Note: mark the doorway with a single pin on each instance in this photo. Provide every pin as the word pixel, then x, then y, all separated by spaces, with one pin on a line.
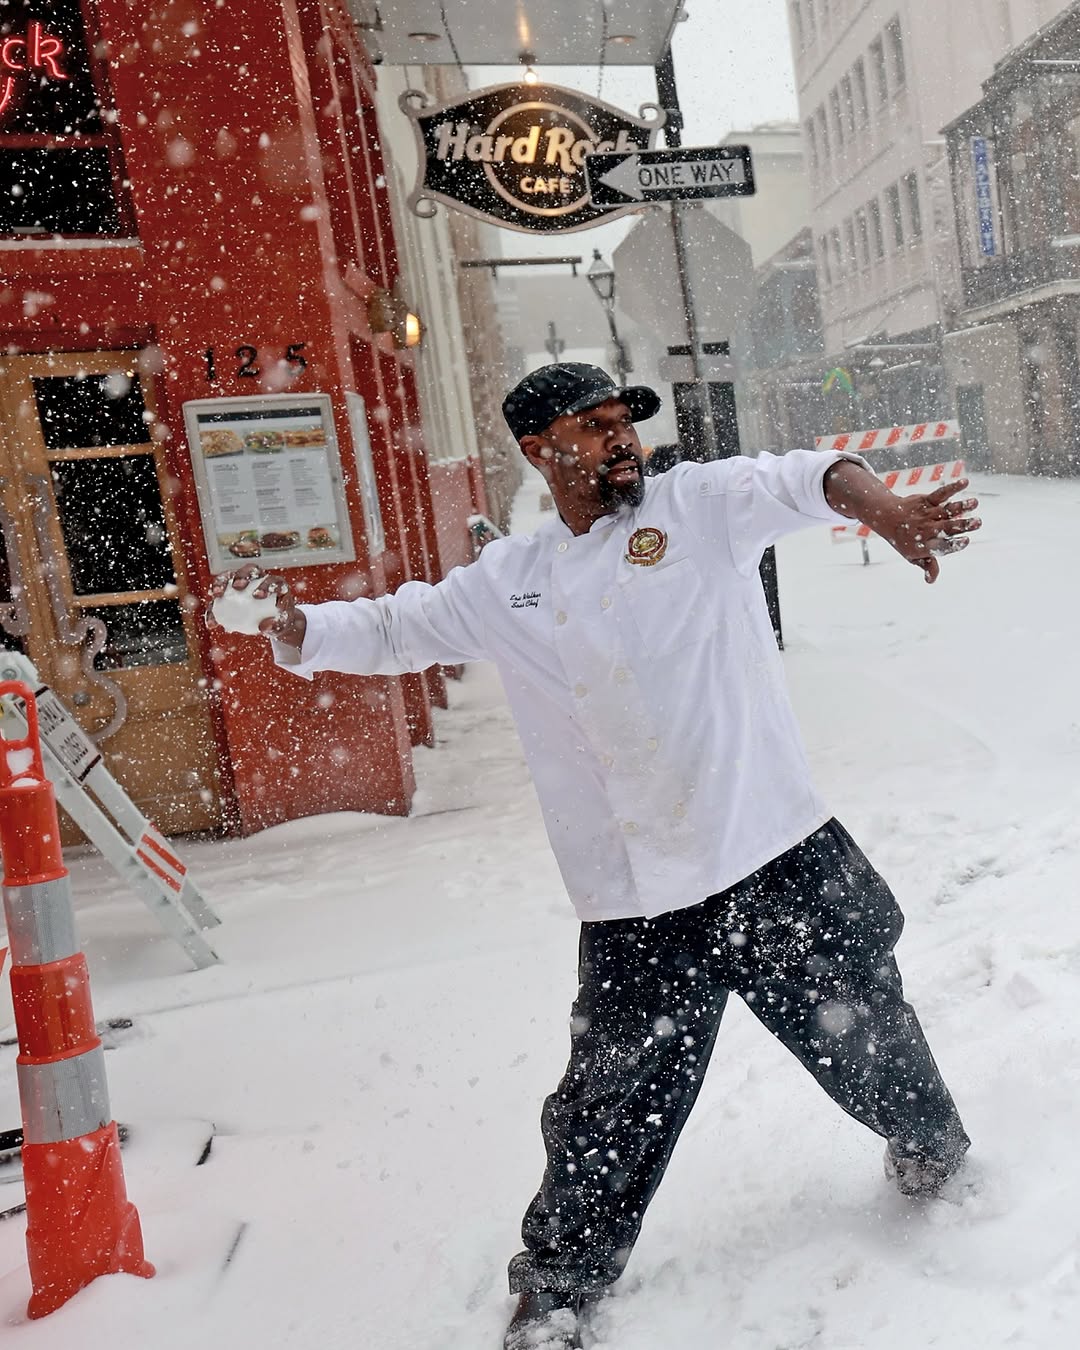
pixel 93 587
pixel 971 409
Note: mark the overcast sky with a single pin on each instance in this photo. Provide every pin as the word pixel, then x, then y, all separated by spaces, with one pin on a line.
pixel 733 67
pixel 732 64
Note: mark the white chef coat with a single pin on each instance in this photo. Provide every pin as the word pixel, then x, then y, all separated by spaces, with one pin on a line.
pixel 650 699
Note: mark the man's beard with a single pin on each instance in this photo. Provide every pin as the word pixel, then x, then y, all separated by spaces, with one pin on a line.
pixel 614 495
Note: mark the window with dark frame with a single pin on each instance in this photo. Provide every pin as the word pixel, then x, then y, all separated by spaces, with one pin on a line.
pixel 914 207
pixel 109 506
pixel 59 144
pixel 877 229
pixel 892 208
pixel 823 136
pixel 881 75
pixel 837 118
pixel 862 95
pixel 811 144
pixel 838 254
pixel 847 100
pixel 863 231
pixel 897 63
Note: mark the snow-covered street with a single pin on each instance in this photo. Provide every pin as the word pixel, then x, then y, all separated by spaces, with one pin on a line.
pixel 391 1009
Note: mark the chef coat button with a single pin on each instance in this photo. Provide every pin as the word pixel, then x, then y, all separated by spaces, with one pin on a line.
pixel 653 743
pixel 560 618
pixel 622 675
pixel 562 548
pixel 606 602
pixel 580 691
pixel 680 810
pixel 629 827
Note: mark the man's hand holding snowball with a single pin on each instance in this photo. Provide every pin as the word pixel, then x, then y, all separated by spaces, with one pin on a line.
pixel 251 601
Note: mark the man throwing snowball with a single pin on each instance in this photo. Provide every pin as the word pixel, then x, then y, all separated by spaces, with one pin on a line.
pixel 634 642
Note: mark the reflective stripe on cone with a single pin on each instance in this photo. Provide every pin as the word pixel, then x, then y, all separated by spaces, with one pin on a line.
pixel 40 922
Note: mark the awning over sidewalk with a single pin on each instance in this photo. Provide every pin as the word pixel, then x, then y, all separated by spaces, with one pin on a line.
pixel 472 32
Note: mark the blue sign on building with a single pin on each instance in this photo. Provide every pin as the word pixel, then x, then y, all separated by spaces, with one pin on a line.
pixel 984 196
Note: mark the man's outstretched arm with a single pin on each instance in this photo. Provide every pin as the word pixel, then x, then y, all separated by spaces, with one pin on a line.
pixel 921 527
pixel 418 626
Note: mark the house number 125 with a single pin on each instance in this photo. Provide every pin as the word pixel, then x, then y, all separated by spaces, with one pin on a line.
pixel 248 358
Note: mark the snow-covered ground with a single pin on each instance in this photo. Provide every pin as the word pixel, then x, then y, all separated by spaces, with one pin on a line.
pixel 392 1005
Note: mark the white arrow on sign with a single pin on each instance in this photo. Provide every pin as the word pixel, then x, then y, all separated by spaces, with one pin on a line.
pixel 624 178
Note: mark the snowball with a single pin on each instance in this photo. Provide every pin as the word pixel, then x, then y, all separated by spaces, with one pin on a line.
pixel 18 761
pixel 240 611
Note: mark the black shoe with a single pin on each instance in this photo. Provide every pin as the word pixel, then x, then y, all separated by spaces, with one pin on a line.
pixel 545 1319
pixel 915 1176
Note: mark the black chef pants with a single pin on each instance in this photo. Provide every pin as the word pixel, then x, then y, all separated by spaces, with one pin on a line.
pixel 808 943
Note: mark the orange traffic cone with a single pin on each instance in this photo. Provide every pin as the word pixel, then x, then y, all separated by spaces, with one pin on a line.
pixel 80 1223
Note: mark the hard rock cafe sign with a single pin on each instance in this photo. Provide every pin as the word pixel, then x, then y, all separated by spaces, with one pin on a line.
pixel 514 154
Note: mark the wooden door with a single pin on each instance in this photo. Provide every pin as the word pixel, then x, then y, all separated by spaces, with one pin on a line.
pixel 92 582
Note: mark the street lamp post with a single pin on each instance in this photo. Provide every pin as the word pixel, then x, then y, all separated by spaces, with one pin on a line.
pixel 601 277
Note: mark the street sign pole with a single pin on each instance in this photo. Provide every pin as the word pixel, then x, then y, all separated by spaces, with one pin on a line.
pixel 555 344
pixel 668 97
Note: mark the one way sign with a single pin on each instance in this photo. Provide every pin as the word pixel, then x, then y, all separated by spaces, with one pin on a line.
pixel 670 175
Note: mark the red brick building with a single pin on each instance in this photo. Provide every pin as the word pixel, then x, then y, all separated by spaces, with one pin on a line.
pixel 200 211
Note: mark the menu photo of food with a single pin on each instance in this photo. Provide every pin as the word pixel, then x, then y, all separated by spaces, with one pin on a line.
pixel 265 441
pixel 246 544
pixel 305 438
pixel 323 536
pixel 279 541
pixel 218 441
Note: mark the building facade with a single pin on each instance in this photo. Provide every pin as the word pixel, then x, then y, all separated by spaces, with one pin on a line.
pixel 783 395
pixel 200 219
pixel 780 209
pixel 877 80
pixel 461 365
pixel 1012 351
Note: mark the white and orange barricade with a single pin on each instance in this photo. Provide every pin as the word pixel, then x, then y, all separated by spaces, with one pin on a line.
pixel 896 440
pixel 926 476
pixel 890 438
pixel 80 1223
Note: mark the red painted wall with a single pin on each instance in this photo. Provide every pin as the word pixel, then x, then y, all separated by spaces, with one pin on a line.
pixel 452 502
pixel 258 189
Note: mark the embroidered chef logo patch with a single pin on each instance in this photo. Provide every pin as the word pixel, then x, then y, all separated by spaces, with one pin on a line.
pixel 646 546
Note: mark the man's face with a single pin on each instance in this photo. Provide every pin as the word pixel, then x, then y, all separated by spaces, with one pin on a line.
pixel 594 458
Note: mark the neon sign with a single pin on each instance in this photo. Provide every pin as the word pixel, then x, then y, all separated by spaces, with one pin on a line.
pixel 37 51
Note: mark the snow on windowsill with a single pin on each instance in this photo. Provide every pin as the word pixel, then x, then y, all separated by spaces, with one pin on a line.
pixel 31 241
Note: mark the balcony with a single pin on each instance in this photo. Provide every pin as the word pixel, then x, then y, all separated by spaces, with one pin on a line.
pixel 1009 277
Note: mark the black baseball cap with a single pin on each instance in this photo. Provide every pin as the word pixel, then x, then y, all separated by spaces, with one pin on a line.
pixel 570 387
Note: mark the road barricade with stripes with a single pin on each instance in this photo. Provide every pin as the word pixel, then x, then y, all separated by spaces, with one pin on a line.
pixel 925 477
pixel 897 443
pixel 80 1223
pixel 890 438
